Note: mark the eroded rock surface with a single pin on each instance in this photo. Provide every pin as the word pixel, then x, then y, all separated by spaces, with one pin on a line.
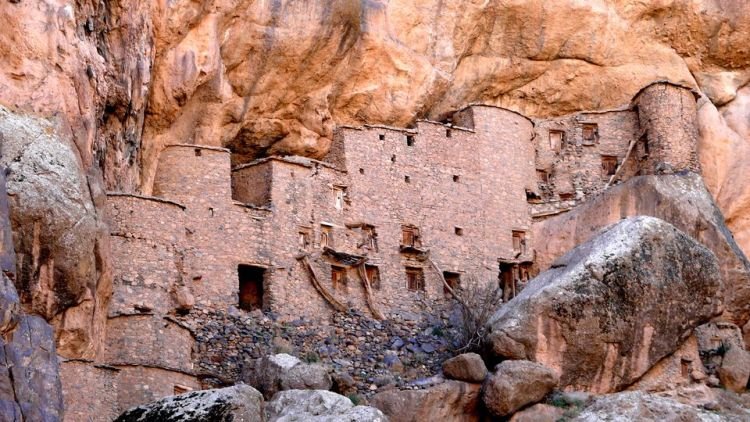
pixel 612 307
pixel 640 406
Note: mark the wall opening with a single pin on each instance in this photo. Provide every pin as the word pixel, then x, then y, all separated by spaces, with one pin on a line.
pixel 459 231
pixel 373 274
pixel 198 152
pixel 304 238
pixel 338 277
pixel 381 137
pixel 251 286
pixel 414 279
pixel 590 133
pixel 410 237
pixel 542 176
pixel 448 133
pixel 326 236
pixel 453 280
pixel 609 165
pixel 410 140
pixel 393 158
pixel 407 179
pixel 556 140
pixel 456 178
pixel 519 242
pixel 339 197
pixel 685 368
pixel 361 171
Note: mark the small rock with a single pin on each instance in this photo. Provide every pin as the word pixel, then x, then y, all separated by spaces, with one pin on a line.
pixel 466 367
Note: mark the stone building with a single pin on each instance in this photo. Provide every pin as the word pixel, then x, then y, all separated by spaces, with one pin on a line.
pixel 389 219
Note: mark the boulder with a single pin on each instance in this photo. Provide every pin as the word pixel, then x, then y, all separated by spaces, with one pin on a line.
pixel 612 307
pixel 271 374
pixel 539 412
pixel 681 200
pixel 239 403
pixel 318 406
pixel 448 401
pixel 515 384
pixel 640 406
pixel 735 369
pixel 467 367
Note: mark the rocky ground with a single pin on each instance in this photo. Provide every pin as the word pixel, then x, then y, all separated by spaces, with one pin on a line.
pixel 376 354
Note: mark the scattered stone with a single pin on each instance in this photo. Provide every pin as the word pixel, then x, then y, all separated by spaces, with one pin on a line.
pixel 318 406
pixel 466 367
pixel 735 369
pixel 240 403
pixel 343 383
pixel 515 384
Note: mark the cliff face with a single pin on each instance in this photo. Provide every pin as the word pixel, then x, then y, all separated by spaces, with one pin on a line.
pixel 123 78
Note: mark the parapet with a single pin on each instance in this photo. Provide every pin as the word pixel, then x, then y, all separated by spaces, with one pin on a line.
pixel 190 173
pixel 145 217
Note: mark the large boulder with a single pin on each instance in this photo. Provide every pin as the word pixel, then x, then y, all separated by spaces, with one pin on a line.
pixel 30 386
pixel 611 308
pixel 467 367
pixel 274 373
pixel 539 412
pixel 735 369
pixel 515 384
pixel 448 401
pixel 239 403
pixel 640 406
pixel 318 406
pixel 681 200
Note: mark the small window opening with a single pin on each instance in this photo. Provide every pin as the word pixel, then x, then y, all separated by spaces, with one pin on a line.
pixel 590 133
pixel 448 133
pixel 410 140
pixel 361 171
pixel 210 212
pixel 373 274
pixel 459 231
pixel 369 239
pixel 410 236
pixel 198 152
pixel 519 242
pixel 567 196
pixel 304 239
pixel 609 165
pixel 453 280
pixel 251 286
pixel 381 137
pixel 556 139
pixel 456 178
pixel 338 277
pixel 685 367
pixel 414 279
pixel 326 236
pixel 339 193
pixel 542 176
pixel 393 158
pixel 181 389
pixel 407 179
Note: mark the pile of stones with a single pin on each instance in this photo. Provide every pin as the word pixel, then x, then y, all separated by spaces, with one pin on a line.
pixel 367 354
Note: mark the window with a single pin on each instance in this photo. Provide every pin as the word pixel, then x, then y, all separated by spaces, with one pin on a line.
pixel 338 277
pixel 414 279
pixel 326 236
pixel 590 133
pixel 181 389
pixel 198 152
pixel 304 238
pixel 459 231
pixel 339 193
pixel 369 238
pixel 381 137
pixel 251 286
pixel 686 367
pixel 456 178
pixel 453 280
pixel 519 242
pixel 361 171
pixel 410 236
pixel 609 165
pixel 543 176
pixel 448 133
pixel 407 179
pixel 556 139
pixel 410 140
pixel 373 274
pixel 393 158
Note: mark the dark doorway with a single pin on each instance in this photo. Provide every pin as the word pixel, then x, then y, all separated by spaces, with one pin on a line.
pixel 507 281
pixel 251 286
pixel 453 280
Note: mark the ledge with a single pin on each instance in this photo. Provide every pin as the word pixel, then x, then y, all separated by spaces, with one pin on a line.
pixel 146 198
pixel 206 147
